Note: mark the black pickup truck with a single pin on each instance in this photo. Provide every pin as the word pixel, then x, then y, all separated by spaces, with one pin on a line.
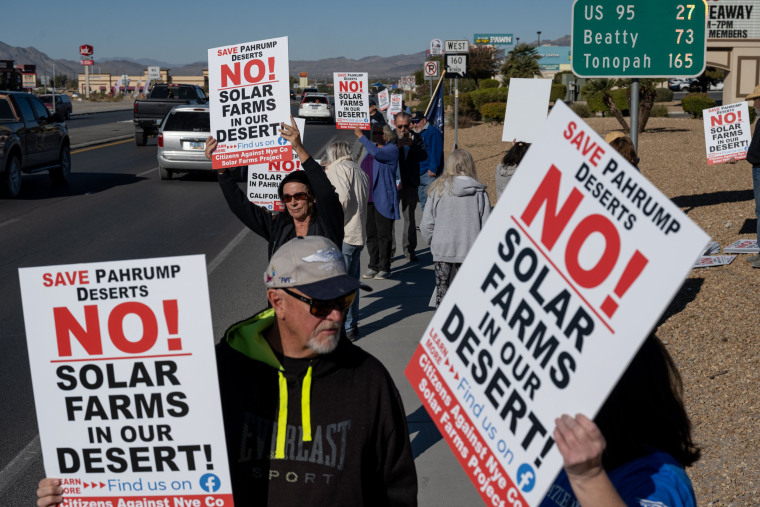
pixel 31 140
pixel 148 113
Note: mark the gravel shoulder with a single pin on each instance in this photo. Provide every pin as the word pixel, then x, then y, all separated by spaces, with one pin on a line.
pixel 710 329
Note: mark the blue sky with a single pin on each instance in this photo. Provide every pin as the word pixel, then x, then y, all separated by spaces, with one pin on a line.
pixel 181 32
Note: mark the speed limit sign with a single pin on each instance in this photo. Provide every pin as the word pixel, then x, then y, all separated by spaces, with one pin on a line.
pixel 431 69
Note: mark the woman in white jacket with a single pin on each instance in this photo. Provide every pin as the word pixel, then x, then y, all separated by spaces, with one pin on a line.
pixel 351 185
pixel 456 210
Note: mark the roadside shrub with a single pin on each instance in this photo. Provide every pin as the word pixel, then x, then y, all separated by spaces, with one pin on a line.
pixel 424 101
pixel 663 95
pixel 581 109
pixel 465 120
pixel 484 96
pixel 694 103
pixel 659 112
pixel 493 111
pixel 488 83
pixel 558 92
pixel 467 85
pixel 467 106
pixel 595 103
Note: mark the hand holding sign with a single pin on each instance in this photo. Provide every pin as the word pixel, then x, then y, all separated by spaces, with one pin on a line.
pixel 49 492
pixel 293 136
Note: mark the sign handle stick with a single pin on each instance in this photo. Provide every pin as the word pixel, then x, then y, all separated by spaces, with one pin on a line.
pixel 635 113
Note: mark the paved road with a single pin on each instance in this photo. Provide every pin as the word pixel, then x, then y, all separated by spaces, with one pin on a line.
pixel 115 207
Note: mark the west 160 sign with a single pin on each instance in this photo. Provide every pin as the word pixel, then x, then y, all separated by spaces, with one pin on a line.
pixel 645 38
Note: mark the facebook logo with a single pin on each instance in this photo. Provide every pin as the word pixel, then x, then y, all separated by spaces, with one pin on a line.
pixel 210 483
pixel 282 141
pixel 526 478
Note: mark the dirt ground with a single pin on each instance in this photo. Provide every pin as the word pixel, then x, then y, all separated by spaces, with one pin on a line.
pixel 710 328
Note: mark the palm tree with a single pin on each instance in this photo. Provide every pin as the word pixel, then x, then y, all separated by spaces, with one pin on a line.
pixel 521 62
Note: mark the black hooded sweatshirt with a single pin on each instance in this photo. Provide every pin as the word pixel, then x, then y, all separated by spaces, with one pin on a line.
pixel 358 451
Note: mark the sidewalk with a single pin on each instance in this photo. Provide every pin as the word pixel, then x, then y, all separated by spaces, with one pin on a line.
pixel 392 320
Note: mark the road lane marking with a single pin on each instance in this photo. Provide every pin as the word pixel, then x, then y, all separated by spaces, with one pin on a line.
pixel 147 172
pixel 101 146
pixel 19 464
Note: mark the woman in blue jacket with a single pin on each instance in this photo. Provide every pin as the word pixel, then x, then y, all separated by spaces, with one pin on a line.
pixel 384 210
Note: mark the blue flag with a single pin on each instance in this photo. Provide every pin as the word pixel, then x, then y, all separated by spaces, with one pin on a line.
pixel 434 113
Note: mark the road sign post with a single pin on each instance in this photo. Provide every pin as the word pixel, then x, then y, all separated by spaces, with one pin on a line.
pixel 646 38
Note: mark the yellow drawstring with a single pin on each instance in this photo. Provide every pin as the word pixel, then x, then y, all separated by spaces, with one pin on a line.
pixel 306 406
pixel 282 419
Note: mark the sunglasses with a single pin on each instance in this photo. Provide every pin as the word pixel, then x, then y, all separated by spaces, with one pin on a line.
pixel 402 127
pixel 323 307
pixel 300 196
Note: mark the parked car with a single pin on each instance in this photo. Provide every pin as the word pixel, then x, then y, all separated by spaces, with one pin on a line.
pixel 150 112
pixel 31 140
pixel 62 104
pixel 682 84
pixel 316 106
pixel 716 86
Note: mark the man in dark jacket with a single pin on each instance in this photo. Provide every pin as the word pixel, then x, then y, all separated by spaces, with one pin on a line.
pixel 411 151
pixel 339 436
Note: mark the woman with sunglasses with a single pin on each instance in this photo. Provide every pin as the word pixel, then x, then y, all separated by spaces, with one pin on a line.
pixel 311 204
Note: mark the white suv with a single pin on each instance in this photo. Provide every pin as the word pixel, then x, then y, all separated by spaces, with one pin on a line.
pixel 316 106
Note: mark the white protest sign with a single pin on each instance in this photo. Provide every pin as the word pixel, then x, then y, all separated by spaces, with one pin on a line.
pixel 742 246
pixel 396 100
pixel 249 96
pixel 707 261
pixel 527 105
pixel 351 100
pixel 384 100
pixel 125 383
pixel 264 179
pixel 570 273
pixel 727 132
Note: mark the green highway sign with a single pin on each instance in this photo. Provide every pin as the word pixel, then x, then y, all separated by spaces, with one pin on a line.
pixel 637 39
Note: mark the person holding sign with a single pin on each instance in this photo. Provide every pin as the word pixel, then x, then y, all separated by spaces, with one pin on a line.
pixel 312 206
pixel 309 418
pixel 383 209
pixel 508 165
pixel 753 157
pixel 636 451
pixel 457 210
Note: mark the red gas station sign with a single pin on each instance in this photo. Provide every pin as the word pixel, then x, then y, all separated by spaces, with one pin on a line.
pixel 85 50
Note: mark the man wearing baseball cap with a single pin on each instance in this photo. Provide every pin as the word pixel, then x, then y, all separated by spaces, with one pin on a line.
pixel 753 157
pixel 309 418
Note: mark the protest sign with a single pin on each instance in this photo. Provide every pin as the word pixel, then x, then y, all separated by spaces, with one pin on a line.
pixel 264 179
pixel 125 384
pixel 384 100
pixel 249 96
pixel 727 132
pixel 396 100
pixel 351 100
pixel 568 276
pixel 742 246
pixel 707 261
pixel 527 106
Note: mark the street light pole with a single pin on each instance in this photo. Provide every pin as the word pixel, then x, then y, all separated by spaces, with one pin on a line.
pixel 539 37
